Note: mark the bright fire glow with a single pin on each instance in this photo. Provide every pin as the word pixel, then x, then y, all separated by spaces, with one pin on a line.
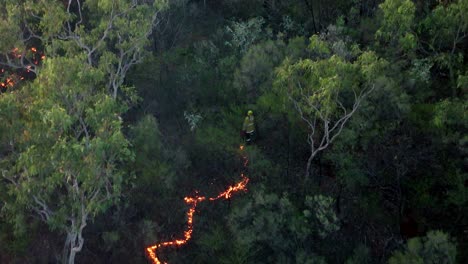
pixel 14 78
pixel 192 202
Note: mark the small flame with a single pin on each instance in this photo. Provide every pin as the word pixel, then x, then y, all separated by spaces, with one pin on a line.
pixel 14 78
pixel 240 186
pixel 193 201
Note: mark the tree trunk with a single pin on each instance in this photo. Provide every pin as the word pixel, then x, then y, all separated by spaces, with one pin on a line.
pixel 311 10
pixel 71 258
pixel 74 242
pixel 68 252
pixel 453 82
pixel 338 200
pixel 73 245
pixel 308 168
pixel 66 247
pixel 289 144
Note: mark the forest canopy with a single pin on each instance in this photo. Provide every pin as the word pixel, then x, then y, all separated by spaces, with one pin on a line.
pixel 233 131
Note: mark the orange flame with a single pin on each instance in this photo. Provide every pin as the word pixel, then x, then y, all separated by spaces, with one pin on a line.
pixel 193 201
pixel 232 189
pixel 14 78
pixel 9 81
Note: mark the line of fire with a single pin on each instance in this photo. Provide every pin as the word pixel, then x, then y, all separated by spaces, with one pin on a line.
pixel 192 202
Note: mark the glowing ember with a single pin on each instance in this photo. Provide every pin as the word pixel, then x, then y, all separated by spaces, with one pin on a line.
pixel 232 189
pixel 192 202
pixel 8 82
pixel 14 78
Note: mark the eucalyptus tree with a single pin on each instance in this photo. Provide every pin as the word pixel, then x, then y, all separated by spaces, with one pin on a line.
pixel 63 130
pixel 431 50
pixel 111 33
pixel 327 89
pixel 436 247
pixel 437 38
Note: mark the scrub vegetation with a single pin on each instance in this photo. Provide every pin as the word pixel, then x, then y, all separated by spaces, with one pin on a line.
pixel 113 111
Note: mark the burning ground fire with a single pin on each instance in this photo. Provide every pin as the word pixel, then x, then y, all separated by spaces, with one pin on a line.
pixel 14 78
pixel 193 202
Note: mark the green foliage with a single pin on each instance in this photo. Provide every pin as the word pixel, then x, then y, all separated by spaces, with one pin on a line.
pixel 54 136
pixel 110 238
pixel 245 34
pixel 86 141
pixel 462 82
pixel 67 166
pixel 69 144
pixel 361 254
pixel 458 195
pixel 398 18
pixel 449 113
pixel 446 24
pixel 318 46
pixel 213 240
pixel 9 31
pixel 146 139
pixel 216 144
pixel 296 48
pixel 435 247
pixel 192 119
pixel 254 74
pixel 325 216
pixel 420 71
pixel 267 216
pixel 317 86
